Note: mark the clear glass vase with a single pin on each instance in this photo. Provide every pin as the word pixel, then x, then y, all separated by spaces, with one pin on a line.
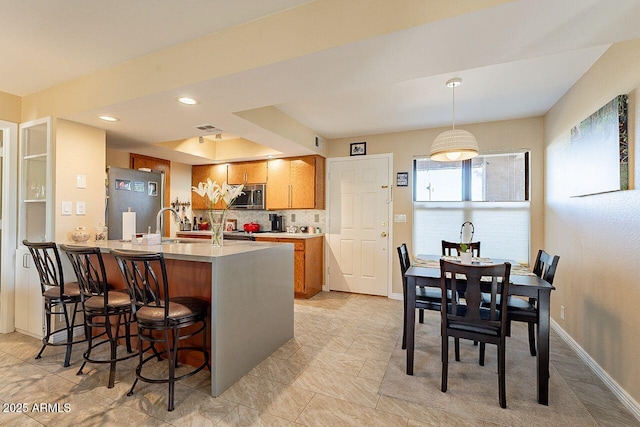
pixel 216 219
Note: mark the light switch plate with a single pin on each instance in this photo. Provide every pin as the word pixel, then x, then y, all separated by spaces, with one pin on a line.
pixel 400 218
pixel 66 208
pixel 81 181
pixel 80 208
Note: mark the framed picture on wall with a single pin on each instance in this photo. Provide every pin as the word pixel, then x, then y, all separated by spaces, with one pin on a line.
pixel 358 149
pixel 402 179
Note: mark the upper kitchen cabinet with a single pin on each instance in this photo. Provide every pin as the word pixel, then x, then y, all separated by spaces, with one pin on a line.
pixel 200 173
pixel 247 172
pixel 296 183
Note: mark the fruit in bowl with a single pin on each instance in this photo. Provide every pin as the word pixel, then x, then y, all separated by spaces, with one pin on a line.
pixel 203 226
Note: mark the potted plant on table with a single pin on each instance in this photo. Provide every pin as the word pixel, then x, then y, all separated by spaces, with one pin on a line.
pixel 465 253
pixel 212 193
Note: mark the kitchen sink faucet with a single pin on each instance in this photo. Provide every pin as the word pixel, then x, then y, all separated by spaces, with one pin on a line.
pixel 176 216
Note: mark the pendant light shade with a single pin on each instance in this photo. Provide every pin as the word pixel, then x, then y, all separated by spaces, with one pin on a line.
pixel 455 144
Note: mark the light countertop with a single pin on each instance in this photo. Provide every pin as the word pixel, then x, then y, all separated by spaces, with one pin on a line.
pixel 189 249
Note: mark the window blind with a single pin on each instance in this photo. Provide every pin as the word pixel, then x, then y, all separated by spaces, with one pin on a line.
pixel 501 227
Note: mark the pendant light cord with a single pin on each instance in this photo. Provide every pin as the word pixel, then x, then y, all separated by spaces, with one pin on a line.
pixel 453 108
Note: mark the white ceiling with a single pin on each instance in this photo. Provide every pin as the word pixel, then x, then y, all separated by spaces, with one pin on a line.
pixel 516 60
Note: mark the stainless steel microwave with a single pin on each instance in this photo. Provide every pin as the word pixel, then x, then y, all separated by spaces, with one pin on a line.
pixel 253 197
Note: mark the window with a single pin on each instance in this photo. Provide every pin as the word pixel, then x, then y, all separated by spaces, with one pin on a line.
pixel 491 178
pixel 491 191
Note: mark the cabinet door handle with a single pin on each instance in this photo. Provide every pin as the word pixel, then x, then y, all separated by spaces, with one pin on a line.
pixel 25 261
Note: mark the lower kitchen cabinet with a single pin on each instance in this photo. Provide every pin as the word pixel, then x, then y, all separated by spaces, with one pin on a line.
pixel 307 263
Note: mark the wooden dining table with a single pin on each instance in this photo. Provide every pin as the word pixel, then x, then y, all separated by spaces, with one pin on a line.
pixel 524 284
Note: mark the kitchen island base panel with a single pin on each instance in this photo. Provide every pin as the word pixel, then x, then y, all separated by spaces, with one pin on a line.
pixel 252 312
pixel 250 288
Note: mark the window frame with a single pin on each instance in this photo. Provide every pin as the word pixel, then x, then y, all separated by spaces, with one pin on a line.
pixel 467 177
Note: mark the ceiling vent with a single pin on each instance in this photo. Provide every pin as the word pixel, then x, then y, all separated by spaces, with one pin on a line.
pixel 208 128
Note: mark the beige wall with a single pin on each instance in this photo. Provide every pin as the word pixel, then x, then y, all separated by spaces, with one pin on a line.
pixel 597 278
pixel 79 150
pixel 118 158
pixel 10 107
pixel 492 137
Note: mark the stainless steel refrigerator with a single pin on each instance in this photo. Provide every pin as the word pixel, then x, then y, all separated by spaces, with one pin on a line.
pixel 139 190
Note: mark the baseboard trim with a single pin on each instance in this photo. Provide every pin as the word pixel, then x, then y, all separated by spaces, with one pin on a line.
pixel 61 336
pixel 395 296
pixel 624 397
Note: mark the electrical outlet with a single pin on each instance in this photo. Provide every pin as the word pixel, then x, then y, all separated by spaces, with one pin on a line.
pixel 562 312
pixel 81 208
pixel 316 217
pixel 293 217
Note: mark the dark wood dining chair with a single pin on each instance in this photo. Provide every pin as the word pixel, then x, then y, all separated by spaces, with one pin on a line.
pixel 522 310
pixel 449 247
pixel 426 298
pixel 470 319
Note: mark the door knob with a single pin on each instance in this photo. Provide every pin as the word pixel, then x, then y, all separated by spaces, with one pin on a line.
pixel 383 234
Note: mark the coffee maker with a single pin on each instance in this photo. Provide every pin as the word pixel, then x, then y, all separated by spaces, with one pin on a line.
pixel 277 222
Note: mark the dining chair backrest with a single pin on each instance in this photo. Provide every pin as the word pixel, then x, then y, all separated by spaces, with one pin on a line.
pixel 405 259
pixel 48 264
pixel 545 266
pixel 464 280
pixel 449 247
pixel 89 267
pixel 146 278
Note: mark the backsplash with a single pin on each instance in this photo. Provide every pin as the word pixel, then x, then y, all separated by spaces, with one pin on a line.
pixel 298 217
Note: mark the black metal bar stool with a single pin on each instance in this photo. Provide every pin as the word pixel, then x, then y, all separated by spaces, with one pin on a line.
pixel 103 308
pixel 56 294
pixel 160 318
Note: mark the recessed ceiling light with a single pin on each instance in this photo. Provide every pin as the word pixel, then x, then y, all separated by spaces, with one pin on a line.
pixel 109 118
pixel 187 101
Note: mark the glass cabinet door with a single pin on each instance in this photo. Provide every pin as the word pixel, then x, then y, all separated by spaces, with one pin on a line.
pixel 35 181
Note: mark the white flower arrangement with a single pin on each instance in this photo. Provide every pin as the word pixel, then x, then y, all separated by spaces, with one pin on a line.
pixel 212 192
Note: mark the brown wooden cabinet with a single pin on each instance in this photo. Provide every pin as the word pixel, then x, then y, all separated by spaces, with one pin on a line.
pixel 307 263
pixel 247 172
pixel 200 173
pixel 296 183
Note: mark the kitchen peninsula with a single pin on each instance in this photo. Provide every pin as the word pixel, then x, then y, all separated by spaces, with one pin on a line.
pixel 250 287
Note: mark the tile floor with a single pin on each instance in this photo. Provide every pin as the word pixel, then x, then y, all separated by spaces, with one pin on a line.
pixel 328 375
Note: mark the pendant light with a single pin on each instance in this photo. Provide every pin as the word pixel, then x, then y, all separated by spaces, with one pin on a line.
pixel 455 144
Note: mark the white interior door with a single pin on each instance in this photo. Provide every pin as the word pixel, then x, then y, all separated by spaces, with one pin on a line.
pixel 358 224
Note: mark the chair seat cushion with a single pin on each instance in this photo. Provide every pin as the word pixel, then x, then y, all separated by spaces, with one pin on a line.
pixel 180 309
pixel 430 294
pixel 116 300
pixel 71 290
pixel 464 326
pixel 513 303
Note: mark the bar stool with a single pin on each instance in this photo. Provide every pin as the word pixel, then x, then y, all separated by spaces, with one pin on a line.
pixel 103 308
pixel 56 294
pixel 155 311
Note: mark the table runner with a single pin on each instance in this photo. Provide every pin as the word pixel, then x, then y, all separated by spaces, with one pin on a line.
pixel 516 269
